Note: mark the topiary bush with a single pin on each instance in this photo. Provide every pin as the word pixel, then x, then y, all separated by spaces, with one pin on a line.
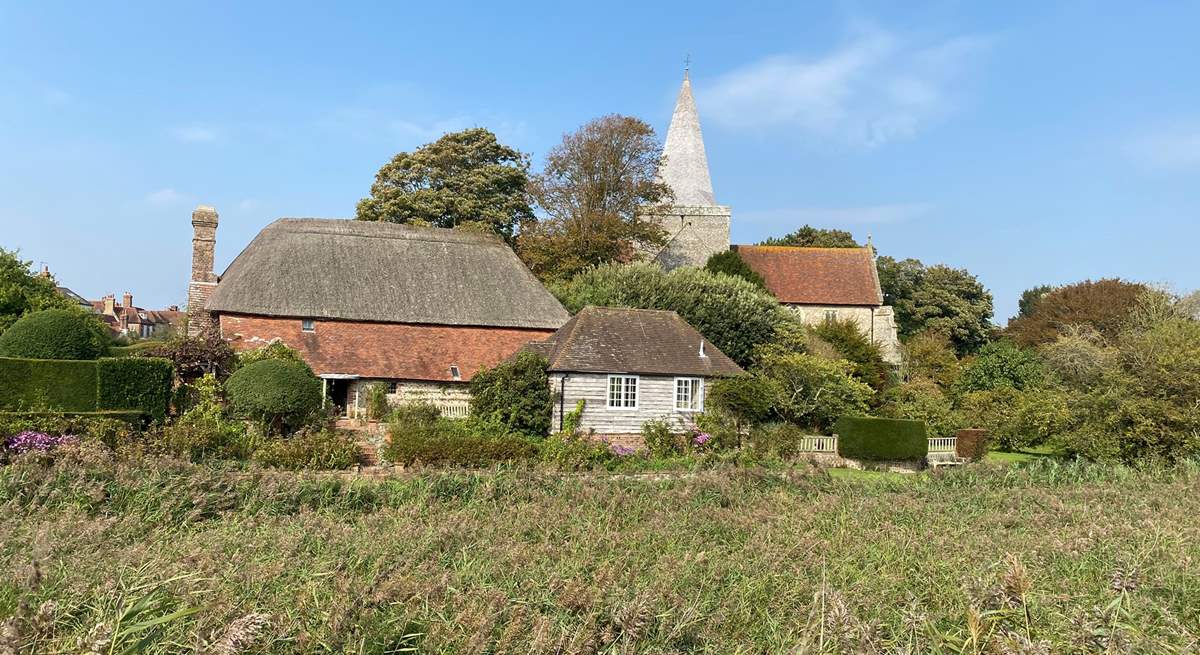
pixel 971 444
pixel 515 394
pixel 141 383
pixel 881 439
pixel 280 395
pixel 309 450
pixel 55 334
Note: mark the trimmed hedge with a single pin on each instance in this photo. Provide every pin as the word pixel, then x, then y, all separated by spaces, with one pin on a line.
pixel 142 383
pixel 55 334
pixel 281 395
pixel 38 384
pixel 881 439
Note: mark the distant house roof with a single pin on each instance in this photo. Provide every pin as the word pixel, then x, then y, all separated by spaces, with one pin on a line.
pixel 816 276
pixel 384 272
pixel 610 340
pixel 67 293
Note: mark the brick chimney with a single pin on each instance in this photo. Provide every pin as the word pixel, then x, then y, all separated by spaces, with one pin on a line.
pixel 204 280
pixel 110 305
pixel 127 300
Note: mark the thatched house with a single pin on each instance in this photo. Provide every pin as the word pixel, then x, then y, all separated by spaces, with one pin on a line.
pixel 420 309
pixel 630 366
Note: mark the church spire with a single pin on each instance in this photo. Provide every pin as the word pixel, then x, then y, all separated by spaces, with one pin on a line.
pixel 686 166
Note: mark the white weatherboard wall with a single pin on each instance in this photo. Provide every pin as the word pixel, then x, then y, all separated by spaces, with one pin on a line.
pixel 656 400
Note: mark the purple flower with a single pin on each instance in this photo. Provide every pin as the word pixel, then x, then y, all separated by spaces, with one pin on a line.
pixel 621 451
pixel 40 441
pixel 701 438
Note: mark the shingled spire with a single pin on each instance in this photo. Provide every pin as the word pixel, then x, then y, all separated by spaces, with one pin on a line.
pixel 686 166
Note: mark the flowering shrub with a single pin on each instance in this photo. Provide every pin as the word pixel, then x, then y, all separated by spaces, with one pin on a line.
pixel 29 441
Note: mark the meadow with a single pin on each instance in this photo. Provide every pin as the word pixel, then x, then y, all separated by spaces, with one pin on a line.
pixel 160 556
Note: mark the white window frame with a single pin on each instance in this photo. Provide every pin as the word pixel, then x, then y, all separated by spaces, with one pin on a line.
pixel 698 397
pixel 308 325
pixel 625 379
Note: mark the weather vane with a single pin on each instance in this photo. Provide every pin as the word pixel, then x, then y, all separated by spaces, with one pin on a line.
pixel 687 64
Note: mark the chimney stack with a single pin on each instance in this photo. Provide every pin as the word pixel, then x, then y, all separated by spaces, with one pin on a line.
pixel 110 302
pixel 127 300
pixel 204 280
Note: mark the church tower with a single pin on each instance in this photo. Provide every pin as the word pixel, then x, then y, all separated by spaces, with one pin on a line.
pixel 697 227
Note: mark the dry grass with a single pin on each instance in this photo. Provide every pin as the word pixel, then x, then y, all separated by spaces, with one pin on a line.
pixel 1045 558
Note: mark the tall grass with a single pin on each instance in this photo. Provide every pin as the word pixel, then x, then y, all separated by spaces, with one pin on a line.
pixel 1046 558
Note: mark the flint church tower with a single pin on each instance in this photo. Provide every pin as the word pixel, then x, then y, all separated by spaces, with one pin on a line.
pixel 697 227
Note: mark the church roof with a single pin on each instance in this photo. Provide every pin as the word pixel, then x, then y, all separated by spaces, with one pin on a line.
pixel 650 342
pixel 384 272
pixel 685 168
pixel 816 276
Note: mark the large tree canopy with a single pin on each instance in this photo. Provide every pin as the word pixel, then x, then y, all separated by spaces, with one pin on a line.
pixel 463 177
pixel 937 298
pixel 1102 304
pixel 592 192
pixel 813 237
pixel 22 292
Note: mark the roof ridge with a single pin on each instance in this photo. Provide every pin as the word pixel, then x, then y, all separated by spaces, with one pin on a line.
pixel 858 249
pixel 401 231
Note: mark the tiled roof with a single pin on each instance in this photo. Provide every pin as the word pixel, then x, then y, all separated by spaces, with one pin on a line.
pixel 816 276
pixel 610 340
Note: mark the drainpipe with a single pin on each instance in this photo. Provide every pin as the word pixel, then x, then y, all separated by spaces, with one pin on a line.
pixel 562 386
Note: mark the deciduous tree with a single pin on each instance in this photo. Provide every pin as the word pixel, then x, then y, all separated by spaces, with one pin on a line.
pixel 938 298
pixel 1102 304
pixel 814 237
pixel 22 292
pixel 463 177
pixel 593 194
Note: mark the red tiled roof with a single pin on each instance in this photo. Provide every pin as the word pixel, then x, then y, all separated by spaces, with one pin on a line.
pixel 816 276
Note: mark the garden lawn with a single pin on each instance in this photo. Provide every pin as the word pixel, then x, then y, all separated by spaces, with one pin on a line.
pixel 726 561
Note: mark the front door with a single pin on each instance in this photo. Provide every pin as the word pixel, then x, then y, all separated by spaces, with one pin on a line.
pixel 338 392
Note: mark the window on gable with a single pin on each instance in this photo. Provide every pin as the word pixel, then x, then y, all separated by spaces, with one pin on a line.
pixel 622 391
pixel 308 325
pixel 689 395
pixel 455 372
pixel 831 315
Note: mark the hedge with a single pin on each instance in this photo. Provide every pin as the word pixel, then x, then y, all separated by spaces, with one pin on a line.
pixel 32 384
pixel 55 334
pixel 881 439
pixel 142 383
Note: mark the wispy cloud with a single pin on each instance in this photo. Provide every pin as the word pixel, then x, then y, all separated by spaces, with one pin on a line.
pixel 166 198
pixel 195 133
pixel 836 216
pixel 1175 147
pixel 876 87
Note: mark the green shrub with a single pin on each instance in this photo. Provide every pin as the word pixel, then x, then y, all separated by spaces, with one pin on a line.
pixel 782 440
pixel 274 350
pixel 309 450
pixel 661 440
pixel 280 395
pixel 572 451
pixel 922 400
pixel 142 383
pixel 812 392
pixel 515 394
pixel 448 442
pixel 46 384
pixel 1002 364
pixel 876 439
pixel 113 429
pixel 729 262
pixel 204 432
pixel 855 347
pixel 55 334
pixel 730 312
pixel 745 399
pixel 414 416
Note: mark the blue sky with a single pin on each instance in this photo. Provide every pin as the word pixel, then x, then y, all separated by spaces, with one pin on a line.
pixel 1028 142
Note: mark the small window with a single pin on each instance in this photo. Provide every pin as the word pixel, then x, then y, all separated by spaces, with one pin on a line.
pixel 393 387
pixel 831 315
pixel 622 392
pixel 689 395
pixel 308 325
pixel 455 373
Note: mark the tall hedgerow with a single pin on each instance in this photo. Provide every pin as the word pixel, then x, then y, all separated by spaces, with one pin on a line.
pixel 515 394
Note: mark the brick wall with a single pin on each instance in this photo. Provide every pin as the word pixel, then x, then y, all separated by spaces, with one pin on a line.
pixel 383 350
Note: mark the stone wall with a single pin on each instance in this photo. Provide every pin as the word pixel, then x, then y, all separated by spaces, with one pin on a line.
pixel 876 323
pixel 695 234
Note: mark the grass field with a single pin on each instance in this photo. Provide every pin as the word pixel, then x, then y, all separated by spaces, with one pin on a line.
pixel 1038 558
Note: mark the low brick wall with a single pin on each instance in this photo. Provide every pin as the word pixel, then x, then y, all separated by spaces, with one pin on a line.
pixel 633 441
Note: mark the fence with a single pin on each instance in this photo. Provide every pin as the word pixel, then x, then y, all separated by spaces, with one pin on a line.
pixel 453 408
pixel 822 444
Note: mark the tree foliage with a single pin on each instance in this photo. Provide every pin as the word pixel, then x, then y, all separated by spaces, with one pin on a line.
pixel 1030 298
pixel 515 394
pixel 274 350
pixel 938 298
pixel 194 357
pixel 813 237
pixel 593 193
pixel 855 347
pixel 1002 364
pixel 813 392
pixel 22 292
pixel 730 312
pixel 56 334
pixel 1102 304
pixel 730 262
pixel 463 177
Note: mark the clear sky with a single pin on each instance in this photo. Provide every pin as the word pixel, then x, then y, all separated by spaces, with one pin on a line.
pixel 1028 142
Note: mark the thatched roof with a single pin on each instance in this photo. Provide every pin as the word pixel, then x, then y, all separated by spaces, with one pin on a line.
pixel 384 272
pixel 650 342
